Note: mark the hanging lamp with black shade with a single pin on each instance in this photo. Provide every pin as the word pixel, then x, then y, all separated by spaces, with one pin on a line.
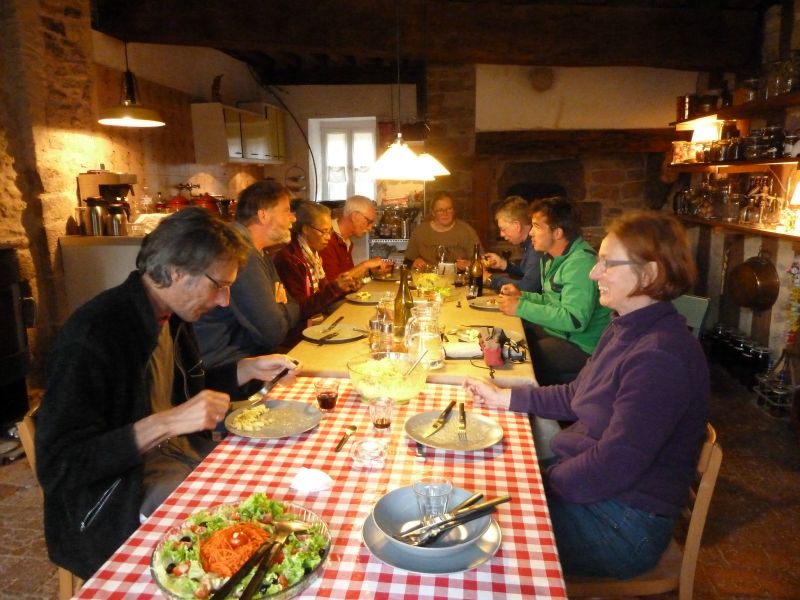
pixel 399 162
pixel 129 112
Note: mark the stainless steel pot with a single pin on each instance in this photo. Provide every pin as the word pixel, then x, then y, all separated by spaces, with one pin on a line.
pixel 754 283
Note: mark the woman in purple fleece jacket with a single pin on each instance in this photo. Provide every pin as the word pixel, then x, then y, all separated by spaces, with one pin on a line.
pixel 622 470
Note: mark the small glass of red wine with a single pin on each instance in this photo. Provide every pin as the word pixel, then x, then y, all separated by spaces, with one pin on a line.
pixel 380 412
pixel 327 391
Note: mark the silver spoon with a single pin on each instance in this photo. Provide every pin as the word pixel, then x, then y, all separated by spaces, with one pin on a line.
pixel 416 362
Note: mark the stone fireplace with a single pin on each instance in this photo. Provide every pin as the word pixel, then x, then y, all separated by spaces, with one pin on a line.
pixel 603 179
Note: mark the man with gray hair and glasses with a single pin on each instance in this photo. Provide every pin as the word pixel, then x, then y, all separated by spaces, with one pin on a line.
pixel 358 219
pixel 129 405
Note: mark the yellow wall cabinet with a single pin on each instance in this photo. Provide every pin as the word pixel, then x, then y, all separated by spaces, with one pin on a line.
pixel 252 133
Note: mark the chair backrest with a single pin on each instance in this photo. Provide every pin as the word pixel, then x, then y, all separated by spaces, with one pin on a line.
pixel 693 309
pixel 27 433
pixel 707 471
pixel 68 584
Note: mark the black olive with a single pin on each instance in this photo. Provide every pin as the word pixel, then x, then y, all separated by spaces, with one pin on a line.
pixel 263 588
pixel 186 538
pixel 170 568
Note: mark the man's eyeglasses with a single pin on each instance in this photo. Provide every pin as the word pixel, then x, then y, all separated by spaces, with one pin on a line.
pixel 322 232
pixel 603 264
pixel 366 218
pixel 220 286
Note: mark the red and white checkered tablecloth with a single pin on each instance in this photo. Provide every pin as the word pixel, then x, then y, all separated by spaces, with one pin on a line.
pixel 525 566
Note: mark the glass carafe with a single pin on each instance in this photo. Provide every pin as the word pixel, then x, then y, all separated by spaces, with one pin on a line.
pixel 423 335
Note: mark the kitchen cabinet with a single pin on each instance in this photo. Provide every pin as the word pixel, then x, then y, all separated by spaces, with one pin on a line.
pixel 264 137
pixel 224 134
pixel 94 264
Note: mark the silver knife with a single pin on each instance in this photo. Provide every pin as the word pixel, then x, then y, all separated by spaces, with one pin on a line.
pixel 439 422
pixel 334 324
pixel 327 336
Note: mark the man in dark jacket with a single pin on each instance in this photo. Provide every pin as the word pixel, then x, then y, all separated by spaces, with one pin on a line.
pixel 128 405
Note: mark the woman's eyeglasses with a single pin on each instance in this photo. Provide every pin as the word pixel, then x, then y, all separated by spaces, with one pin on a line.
pixel 603 264
pixel 322 232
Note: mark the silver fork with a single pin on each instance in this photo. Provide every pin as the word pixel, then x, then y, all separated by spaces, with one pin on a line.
pixel 462 423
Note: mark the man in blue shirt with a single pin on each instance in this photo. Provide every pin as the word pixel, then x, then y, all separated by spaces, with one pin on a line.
pixel 513 217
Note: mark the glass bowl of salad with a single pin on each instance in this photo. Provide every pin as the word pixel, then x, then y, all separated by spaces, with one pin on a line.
pixel 383 374
pixel 186 563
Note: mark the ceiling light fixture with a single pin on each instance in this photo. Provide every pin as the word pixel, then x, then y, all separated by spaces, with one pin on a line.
pixel 399 162
pixel 129 113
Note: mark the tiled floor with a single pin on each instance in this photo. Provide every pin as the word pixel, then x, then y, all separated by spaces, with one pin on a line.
pixel 751 546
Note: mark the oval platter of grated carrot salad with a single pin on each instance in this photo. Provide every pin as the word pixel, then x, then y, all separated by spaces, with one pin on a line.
pixel 198 556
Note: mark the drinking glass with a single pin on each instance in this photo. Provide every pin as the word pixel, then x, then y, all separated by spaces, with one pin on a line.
pixel 432 493
pixel 380 412
pixel 327 392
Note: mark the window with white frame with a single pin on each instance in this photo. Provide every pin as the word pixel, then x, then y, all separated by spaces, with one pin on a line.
pixel 347 153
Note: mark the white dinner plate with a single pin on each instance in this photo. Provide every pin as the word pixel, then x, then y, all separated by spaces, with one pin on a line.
pixel 364 297
pixel 484 303
pixel 470 333
pixel 472 556
pixel 393 276
pixel 482 432
pixel 344 333
pixel 287 419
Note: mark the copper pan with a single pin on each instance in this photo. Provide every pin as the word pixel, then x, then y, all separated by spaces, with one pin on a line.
pixel 754 283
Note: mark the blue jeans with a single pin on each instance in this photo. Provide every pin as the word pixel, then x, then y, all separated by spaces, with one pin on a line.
pixel 607 539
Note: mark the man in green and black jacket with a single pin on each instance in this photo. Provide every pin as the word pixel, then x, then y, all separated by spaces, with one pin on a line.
pixel 564 322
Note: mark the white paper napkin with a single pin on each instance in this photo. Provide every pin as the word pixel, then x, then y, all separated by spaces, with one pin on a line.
pixel 308 481
pixel 462 349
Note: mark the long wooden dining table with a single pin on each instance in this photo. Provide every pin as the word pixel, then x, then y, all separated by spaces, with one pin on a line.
pixel 524 565
pixel 330 359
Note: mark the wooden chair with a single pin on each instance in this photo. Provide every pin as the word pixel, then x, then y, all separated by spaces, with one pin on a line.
pixel 675 570
pixel 68 584
pixel 693 309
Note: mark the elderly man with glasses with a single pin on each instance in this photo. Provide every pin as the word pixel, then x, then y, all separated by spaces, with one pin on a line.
pixel 443 234
pixel 358 219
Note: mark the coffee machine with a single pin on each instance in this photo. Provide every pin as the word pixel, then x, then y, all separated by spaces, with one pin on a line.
pixel 105 200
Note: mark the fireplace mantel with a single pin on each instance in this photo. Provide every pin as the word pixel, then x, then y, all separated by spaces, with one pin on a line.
pixel 572 142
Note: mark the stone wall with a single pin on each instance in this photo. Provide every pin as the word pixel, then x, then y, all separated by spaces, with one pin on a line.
pixel 51 92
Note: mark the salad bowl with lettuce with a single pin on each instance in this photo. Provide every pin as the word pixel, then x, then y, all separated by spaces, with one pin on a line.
pixel 179 564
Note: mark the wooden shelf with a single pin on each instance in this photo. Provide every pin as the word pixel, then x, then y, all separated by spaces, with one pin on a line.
pixel 708 167
pixel 739 228
pixel 748 109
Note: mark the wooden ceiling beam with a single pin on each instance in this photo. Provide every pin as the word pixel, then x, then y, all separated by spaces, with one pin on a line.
pixel 689 37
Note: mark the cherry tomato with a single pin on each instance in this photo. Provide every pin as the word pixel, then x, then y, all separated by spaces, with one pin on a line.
pixel 182 568
pixel 283 581
pixel 202 591
pixel 239 538
pixel 267 518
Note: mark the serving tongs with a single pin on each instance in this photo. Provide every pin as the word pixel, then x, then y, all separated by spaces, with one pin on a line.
pixel 283 529
pixel 248 566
